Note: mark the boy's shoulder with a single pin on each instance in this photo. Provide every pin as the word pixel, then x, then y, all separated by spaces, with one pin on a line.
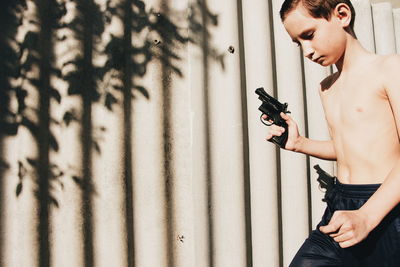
pixel 389 69
pixel 382 67
pixel 390 62
pixel 385 61
pixel 385 69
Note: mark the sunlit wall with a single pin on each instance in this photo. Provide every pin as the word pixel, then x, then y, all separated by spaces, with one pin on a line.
pixel 131 135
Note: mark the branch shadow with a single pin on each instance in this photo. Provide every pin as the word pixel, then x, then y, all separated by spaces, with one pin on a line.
pixel 87 27
pixel 201 21
pixel 35 51
pixel 10 19
pixel 162 42
pixel 41 54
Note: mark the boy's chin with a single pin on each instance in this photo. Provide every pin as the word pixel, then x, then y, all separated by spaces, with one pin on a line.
pixel 324 63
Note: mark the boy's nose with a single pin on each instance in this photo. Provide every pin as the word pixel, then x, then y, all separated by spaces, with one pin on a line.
pixel 308 53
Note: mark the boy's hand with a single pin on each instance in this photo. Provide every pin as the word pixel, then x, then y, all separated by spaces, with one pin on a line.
pixel 293 135
pixel 347 227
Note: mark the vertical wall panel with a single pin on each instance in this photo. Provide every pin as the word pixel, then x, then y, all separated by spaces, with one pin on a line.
pixel 226 136
pixel 182 189
pixel 108 195
pixel 197 71
pixel 148 185
pixel 9 182
pixel 396 20
pixel 383 27
pixel 363 26
pixel 295 223
pixel 262 154
pixel 67 219
pixel 23 211
pixel 20 221
pixel 9 214
pixel 149 202
pixel 181 186
pixel 22 225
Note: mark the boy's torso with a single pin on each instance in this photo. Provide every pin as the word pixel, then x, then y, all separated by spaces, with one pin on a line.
pixel 361 123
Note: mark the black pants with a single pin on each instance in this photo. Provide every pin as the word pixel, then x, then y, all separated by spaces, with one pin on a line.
pixel 381 248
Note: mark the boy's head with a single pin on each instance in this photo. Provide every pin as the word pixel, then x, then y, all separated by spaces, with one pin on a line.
pixel 319 26
pixel 317 8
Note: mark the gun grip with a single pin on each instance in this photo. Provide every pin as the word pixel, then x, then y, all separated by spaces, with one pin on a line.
pixel 282 139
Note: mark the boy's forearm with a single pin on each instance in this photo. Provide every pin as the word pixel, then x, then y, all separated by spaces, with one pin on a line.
pixel 384 199
pixel 319 149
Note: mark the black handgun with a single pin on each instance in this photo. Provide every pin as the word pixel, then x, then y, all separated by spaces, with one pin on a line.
pixel 272 108
pixel 324 179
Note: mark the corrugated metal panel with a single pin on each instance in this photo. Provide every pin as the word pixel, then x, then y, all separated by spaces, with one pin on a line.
pixel 181 173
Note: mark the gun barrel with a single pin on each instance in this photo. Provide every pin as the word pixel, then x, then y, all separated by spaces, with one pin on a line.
pixel 320 171
pixel 261 92
pixel 275 103
pixel 318 168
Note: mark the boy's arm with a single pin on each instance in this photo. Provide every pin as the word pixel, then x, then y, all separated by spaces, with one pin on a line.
pixel 316 148
pixel 388 195
pixel 354 226
pixel 296 142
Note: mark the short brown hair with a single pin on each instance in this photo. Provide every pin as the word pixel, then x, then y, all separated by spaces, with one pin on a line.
pixel 317 8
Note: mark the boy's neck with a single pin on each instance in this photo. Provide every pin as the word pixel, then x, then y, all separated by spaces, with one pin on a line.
pixel 354 54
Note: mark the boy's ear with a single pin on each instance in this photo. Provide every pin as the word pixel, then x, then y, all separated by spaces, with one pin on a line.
pixel 343 12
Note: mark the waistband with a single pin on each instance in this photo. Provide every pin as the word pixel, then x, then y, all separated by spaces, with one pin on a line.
pixel 355 190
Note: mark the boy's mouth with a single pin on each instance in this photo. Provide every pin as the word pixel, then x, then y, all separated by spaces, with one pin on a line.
pixel 319 60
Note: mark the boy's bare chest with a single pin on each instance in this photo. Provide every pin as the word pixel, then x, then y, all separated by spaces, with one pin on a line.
pixel 355 105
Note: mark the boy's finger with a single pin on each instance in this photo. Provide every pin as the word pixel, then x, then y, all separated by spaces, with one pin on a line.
pixel 275 132
pixel 335 234
pixel 268 119
pixel 265 117
pixel 277 128
pixel 343 237
pixel 285 116
pixel 269 137
pixel 330 228
pixel 348 243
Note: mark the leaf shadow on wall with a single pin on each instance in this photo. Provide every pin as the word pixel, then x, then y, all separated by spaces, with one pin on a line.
pixel 10 19
pixel 201 21
pixel 29 68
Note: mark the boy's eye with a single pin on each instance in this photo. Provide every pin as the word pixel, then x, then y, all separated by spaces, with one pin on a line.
pixel 309 36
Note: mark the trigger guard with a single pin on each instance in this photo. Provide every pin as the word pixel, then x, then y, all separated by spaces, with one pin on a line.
pixel 264 121
pixel 321 189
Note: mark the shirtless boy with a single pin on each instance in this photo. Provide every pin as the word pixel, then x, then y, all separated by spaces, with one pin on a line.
pixel 361 225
